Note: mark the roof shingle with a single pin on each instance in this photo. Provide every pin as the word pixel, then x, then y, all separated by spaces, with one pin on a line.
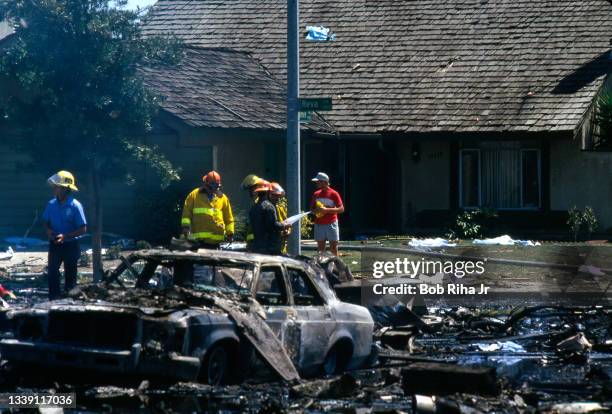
pixel 422 65
pixel 220 88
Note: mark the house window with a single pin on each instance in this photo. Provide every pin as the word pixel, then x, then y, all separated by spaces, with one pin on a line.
pixel 500 175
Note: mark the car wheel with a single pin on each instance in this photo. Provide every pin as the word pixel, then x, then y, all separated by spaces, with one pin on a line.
pixel 217 367
pixel 338 358
pixel 330 365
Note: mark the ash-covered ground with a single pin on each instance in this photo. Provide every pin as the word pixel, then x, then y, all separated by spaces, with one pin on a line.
pixel 502 357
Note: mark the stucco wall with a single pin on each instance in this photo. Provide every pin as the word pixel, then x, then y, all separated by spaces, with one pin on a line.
pixel 233 153
pixel 25 193
pixel 425 182
pixel 582 179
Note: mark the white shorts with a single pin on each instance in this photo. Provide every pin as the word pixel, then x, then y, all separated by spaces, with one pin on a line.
pixel 329 232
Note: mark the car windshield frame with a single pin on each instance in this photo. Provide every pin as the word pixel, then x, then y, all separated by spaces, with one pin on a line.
pixel 241 290
pixel 174 265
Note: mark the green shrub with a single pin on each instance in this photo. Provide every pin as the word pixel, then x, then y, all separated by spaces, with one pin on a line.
pixel 589 220
pixel 471 224
pixel 574 221
pixel 306 223
pixel 581 220
pixel 307 227
pixel 240 225
pixel 603 119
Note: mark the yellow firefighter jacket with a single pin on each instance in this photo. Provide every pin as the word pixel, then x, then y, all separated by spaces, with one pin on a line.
pixel 208 219
pixel 281 213
pixel 249 230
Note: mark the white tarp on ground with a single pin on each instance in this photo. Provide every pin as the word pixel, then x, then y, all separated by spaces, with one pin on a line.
pixel 507 346
pixel 102 252
pixel 8 254
pixel 505 240
pixel 437 242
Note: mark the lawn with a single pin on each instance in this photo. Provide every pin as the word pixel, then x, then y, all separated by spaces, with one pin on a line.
pixel 550 267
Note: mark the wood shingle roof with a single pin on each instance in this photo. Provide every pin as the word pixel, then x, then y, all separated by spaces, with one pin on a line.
pixel 219 88
pixel 422 65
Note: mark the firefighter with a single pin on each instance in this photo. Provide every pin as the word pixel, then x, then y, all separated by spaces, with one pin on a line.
pixel 207 214
pixel 65 223
pixel 249 183
pixel 277 197
pixel 267 228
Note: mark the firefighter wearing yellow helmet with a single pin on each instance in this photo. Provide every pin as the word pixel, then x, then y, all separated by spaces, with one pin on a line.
pixel 267 228
pixel 277 197
pixel 250 183
pixel 207 214
pixel 65 223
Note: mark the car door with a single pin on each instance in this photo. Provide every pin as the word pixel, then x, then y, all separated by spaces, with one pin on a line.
pixel 312 317
pixel 271 293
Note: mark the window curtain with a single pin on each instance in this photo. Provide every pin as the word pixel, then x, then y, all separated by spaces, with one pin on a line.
pixel 501 174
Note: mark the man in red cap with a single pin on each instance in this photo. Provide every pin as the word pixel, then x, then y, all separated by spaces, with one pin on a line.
pixel 326 203
pixel 207 214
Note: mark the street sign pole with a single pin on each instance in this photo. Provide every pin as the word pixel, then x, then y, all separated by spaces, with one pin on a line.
pixel 293 123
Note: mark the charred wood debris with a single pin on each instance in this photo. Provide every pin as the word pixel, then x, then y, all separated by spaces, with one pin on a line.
pixel 443 359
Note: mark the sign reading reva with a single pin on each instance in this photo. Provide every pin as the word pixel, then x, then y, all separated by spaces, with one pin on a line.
pixel 315 104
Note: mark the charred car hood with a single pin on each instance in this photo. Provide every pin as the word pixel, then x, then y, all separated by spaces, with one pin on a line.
pixel 105 306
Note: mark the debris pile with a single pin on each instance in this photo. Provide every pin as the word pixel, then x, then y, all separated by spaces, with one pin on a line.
pixel 446 359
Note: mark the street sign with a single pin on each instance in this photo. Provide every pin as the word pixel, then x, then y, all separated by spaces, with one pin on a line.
pixel 315 104
pixel 305 117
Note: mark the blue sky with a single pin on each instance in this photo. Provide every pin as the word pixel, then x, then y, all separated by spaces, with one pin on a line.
pixel 132 4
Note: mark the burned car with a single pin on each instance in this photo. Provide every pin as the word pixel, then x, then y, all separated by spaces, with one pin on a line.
pixel 210 316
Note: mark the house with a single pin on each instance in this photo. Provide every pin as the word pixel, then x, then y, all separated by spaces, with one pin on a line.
pixel 437 106
pixel 220 110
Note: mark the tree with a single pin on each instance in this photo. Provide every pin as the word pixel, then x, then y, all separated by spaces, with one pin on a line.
pixel 603 120
pixel 79 97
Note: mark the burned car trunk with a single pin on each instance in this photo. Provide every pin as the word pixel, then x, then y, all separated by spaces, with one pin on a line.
pixel 196 316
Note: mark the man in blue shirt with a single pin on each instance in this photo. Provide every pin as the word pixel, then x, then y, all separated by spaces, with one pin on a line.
pixel 65 223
